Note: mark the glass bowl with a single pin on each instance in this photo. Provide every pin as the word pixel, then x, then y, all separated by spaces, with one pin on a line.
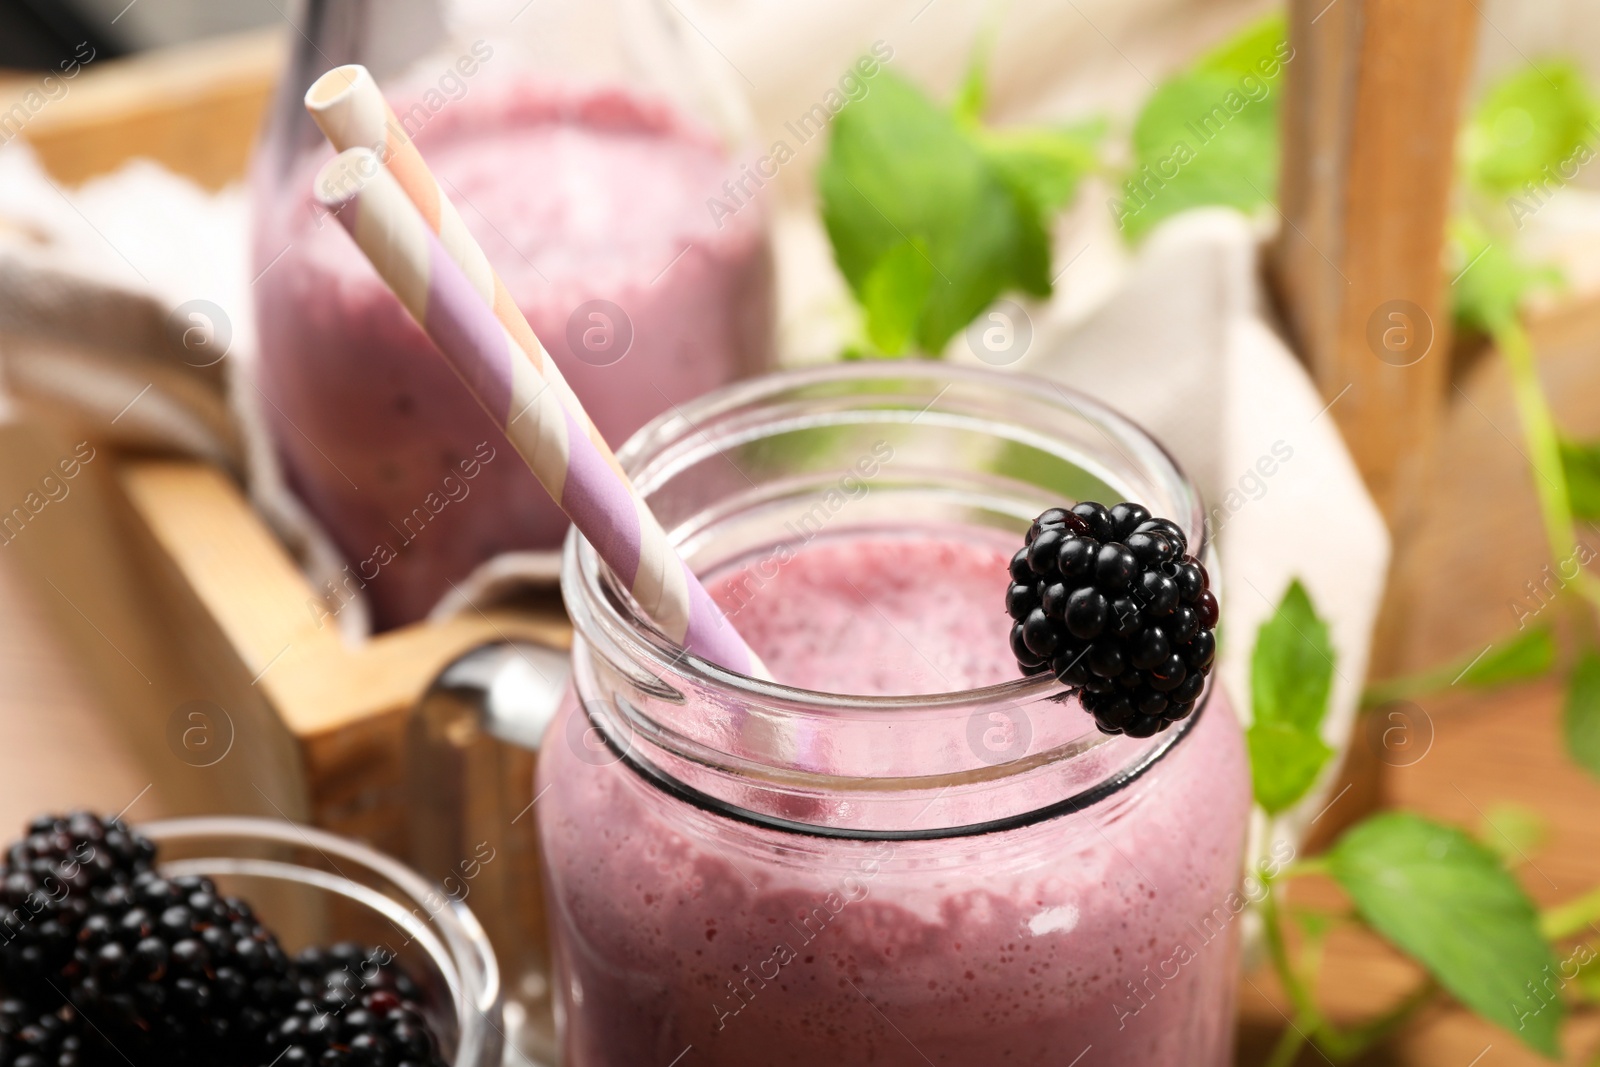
pixel 314 888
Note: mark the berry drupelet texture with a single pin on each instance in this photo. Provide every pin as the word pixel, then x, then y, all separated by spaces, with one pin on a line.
pixel 169 970
pixel 370 1029
pixel 50 883
pixel 104 962
pixel 33 1038
pixel 351 971
pixel 1109 600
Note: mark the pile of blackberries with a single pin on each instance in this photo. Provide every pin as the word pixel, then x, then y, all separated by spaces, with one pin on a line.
pixel 1109 600
pixel 103 961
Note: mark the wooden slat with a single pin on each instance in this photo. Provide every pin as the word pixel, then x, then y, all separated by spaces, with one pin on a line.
pixel 1371 107
pixel 195 108
pixel 338 714
pixel 1482 493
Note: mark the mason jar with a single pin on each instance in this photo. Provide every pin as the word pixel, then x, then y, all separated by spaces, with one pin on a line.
pixel 921 857
pixel 586 145
pixel 315 888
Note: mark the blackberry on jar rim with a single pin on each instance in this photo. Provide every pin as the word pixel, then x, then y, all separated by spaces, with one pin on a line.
pixel 1111 603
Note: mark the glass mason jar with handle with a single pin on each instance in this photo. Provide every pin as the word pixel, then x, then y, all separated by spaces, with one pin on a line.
pixel 912 855
pixel 581 141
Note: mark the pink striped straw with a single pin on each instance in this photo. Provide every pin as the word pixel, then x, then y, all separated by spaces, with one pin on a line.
pixel 518 388
pixel 351 112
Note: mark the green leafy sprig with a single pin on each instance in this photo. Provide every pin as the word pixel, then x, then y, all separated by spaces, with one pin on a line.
pixel 1438 896
pixel 1209 135
pixel 932 214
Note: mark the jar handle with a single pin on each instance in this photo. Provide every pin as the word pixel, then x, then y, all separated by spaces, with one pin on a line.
pixel 471 746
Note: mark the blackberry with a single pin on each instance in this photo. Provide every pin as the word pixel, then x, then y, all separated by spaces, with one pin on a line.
pixel 49 883
pixel 349 971
pixel 377 1029
pixel 1109 601
pixel 172 972
pixel 31 1038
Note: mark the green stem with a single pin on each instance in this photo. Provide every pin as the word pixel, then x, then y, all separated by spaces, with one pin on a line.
pixel 1544 445
pixel 1336 1044
pixel 1278 948
pixel 1302 867
pixel 1290 1042
pixel 1347 1045
pixel 1408 686
pixel 1573 917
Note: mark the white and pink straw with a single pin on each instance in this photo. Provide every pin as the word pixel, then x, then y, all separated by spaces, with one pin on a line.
pixel 383 193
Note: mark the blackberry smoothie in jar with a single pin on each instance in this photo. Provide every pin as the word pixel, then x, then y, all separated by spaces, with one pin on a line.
pixel 580 142
pixel 914 844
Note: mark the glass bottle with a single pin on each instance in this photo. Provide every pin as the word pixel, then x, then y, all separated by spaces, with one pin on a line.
pixel 583 142
pixel 768 874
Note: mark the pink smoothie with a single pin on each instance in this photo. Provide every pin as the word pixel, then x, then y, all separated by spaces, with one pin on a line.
pixel 1108 934
pixel 576 199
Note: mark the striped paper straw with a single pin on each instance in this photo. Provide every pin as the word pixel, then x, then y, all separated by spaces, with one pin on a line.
pixel 351 112
pixel 576 468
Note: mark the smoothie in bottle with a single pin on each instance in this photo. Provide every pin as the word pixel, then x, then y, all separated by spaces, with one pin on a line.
pixel 587 188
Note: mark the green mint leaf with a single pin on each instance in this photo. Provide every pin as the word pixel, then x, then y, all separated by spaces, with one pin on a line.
pixel 1209 136
pixel 1589 974
pixel 1045 164
pixel 1291 678
pixel 1538 126
pixel 1512 832
pixel 1291 670
pixel 972 96
pixel 901 171
pixel 1491 283
pixel 1314 923
pixel 895 290
pixel 1528 655
pixel 1446 901
pixel 1284 763
pixel 1582 464
pixel 1252 50
pixel 1580 719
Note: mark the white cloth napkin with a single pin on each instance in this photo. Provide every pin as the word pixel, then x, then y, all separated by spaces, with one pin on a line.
pixel 98 284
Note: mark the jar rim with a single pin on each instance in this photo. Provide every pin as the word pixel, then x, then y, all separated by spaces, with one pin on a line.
pixel 580 561
pixel 606 618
